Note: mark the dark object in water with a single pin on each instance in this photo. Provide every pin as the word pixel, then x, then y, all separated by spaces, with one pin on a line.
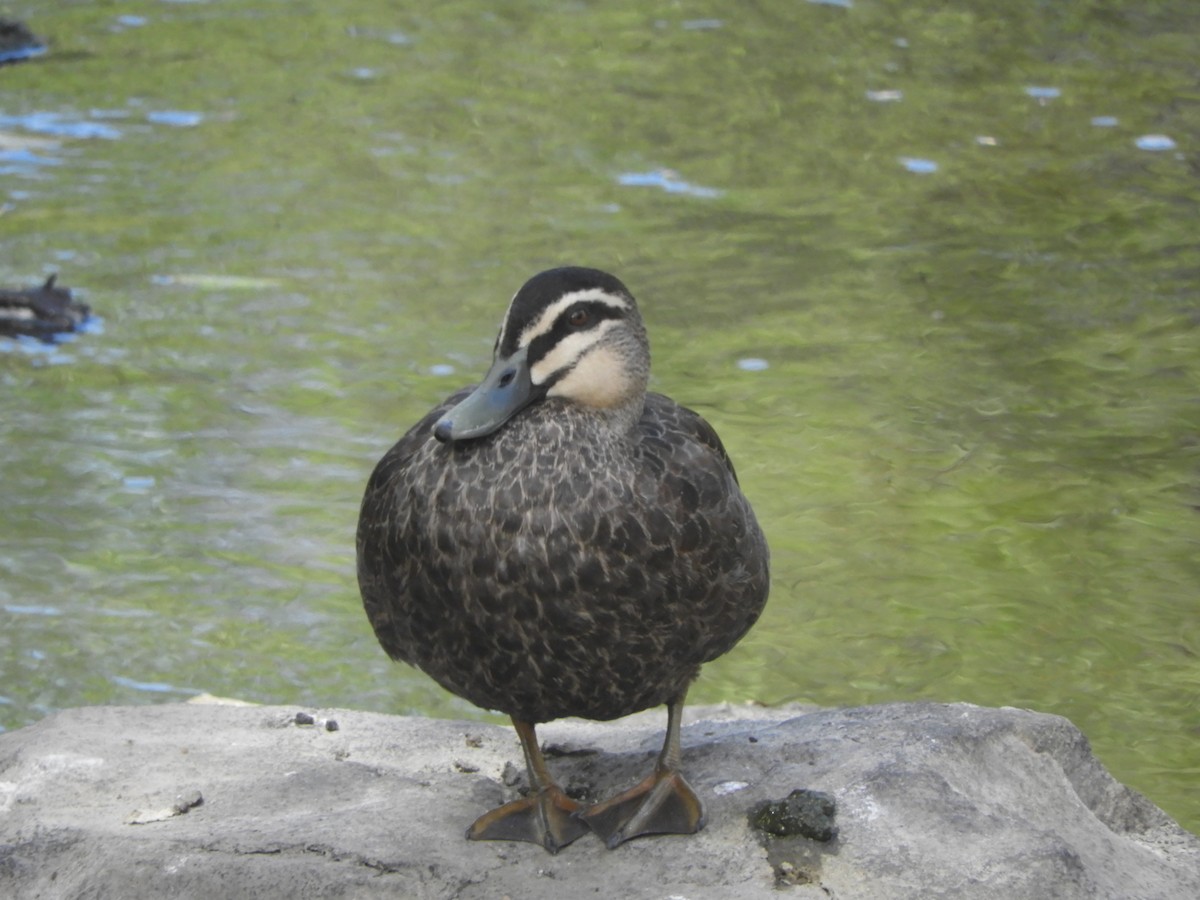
pixel 41 312
pixel 18 43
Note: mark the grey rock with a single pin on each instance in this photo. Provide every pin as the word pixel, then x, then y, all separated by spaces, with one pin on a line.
pixel 930 801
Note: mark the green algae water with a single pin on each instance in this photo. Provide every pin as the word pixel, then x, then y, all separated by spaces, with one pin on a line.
pixel 930 269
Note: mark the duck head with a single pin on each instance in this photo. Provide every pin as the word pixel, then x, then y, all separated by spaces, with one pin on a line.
pixel 572 333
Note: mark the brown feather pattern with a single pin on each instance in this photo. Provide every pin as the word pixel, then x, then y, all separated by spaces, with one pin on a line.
pixel 561 566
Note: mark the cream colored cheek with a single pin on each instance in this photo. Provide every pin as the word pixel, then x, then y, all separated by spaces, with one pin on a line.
pixel 562 354
pixel 598 379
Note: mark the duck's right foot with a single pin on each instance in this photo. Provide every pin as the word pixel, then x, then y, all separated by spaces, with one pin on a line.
pixel 545 817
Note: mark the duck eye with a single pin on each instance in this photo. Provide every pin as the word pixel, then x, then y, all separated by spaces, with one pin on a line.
pixel 578 318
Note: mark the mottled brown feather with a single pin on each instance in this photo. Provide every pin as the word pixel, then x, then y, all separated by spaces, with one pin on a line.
pixel 550 569
pixel 565 564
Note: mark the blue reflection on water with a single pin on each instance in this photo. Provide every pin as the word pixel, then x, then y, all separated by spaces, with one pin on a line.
pixel 1043 93
pixel 177 117
pixel 668 180
pixel 46 351
pixel 26 610
pixel 153 687
pixel 60 126
pixel 918 165
pixel 753 364
pixel 17 54
pixel 1154 142
pixel 22 161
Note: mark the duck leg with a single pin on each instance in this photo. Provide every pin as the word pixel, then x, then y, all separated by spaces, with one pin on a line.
pixel 545 816
pixel 662 804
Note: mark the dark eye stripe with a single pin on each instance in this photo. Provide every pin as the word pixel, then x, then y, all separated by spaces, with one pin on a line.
pixel 529 317
pixel 597 312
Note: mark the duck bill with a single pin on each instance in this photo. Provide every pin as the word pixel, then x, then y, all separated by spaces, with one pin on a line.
pixel 505 390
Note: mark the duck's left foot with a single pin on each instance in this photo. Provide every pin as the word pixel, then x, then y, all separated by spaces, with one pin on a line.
pixel 662 804
pixel 546 817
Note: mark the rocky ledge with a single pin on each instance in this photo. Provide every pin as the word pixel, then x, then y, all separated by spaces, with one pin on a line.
pixel 899 801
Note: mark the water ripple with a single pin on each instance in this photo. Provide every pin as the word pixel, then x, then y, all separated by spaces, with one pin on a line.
pixel 153 687
pixel 919 165
pixel 669 181
pixel 60 126
pixel 176 117
pixel 1154 142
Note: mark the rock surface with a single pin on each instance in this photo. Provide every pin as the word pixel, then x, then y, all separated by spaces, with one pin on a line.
pixel 932 801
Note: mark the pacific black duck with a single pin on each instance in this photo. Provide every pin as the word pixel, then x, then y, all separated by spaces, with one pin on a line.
pixel 43 312
pixel 559 542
